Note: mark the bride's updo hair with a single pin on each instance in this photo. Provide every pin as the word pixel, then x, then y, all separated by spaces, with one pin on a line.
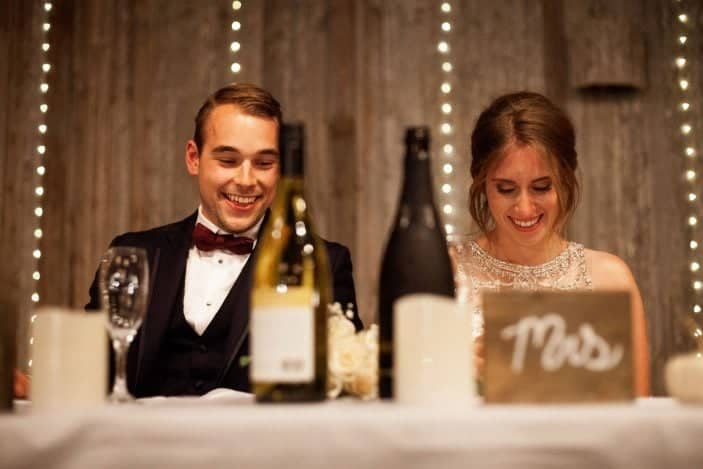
pixel 523 119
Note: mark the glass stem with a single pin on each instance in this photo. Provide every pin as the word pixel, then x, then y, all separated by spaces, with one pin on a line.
pixel 120 346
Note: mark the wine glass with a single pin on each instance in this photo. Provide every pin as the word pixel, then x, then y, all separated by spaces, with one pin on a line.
pixel 124 285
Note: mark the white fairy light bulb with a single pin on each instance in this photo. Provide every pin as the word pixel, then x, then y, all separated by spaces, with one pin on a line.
pixel 686 129
pixel 448 148
pixel 236 67
pixel 680 62
pixel 446 7
pixel 446 108
pixel 447 67
pixel 690 175
pixel 446 88
pixel 448 209
pixel 695 266
pixel 236 25
pixel 446 188
pixel 449 229
pixel 447 168
pixel 692 220
pixel 236 5
pixel 446 26
pixel 693 245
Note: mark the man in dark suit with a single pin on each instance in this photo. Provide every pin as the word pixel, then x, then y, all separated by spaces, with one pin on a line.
pixel 194 337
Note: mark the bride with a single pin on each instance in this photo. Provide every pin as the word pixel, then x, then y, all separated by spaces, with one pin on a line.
pixel 523 193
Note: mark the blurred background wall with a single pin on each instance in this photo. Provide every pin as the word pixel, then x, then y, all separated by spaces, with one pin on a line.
pixel 127 77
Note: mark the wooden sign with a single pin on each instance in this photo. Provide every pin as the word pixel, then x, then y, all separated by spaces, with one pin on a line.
pixel 555 347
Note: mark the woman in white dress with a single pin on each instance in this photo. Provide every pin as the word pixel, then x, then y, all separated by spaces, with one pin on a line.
pixel 523 193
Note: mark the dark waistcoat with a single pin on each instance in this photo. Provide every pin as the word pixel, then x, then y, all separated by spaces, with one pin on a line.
pixel 190 364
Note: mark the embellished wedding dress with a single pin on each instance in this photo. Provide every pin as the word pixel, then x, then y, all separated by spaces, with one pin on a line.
pixel 477 272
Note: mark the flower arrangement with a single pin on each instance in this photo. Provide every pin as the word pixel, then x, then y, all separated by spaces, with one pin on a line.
pixel 352 356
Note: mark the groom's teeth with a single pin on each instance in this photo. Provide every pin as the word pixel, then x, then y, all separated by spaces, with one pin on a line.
pixel 241 200
pixel 526 224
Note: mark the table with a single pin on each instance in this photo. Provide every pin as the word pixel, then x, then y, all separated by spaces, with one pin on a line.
pixel 190 432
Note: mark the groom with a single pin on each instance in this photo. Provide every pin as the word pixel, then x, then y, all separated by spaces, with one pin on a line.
pixel 195 334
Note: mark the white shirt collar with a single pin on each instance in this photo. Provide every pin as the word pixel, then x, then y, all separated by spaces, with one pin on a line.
pixel 250 233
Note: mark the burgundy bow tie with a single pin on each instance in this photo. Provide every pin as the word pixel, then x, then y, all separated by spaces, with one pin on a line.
pixel 206 240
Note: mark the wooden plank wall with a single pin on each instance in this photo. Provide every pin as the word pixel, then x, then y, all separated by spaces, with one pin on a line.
pixel 20 61
pixel 129 75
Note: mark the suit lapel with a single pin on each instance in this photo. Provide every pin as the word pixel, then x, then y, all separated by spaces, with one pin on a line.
pixel 169 270
pixel 237 304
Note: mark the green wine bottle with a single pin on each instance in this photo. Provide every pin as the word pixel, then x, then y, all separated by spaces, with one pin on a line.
pixel 292 288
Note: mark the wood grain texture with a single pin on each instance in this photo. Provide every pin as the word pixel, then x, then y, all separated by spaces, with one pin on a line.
pixel 129 76
pixel 20 62
pixel 606 44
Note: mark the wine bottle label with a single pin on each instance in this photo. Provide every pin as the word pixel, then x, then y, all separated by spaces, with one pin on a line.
pixel 282 335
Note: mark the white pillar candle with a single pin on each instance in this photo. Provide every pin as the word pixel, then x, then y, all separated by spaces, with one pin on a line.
pixel 69 359
pixel 432 351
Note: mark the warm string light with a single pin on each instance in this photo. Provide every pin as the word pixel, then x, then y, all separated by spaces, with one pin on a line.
pixel 235 46
pixel 689 151
pixel 41 154
pixel 446 107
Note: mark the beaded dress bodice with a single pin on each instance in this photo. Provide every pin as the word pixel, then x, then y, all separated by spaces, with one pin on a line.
pixel 477 272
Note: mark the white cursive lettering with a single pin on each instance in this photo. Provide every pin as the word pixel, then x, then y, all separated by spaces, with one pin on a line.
pixel 583 350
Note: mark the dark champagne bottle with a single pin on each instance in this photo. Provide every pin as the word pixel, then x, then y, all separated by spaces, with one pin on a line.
pixel 416 259
pixel 291 290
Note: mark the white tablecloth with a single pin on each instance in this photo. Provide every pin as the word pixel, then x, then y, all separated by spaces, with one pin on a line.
pixel 175 433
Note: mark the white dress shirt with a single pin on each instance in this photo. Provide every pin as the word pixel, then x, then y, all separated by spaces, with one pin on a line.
pixel 210 276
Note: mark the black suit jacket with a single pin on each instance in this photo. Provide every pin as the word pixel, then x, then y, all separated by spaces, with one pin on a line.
pixel 167 249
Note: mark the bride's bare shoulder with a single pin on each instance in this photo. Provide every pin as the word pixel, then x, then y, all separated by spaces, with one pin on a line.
pixel 608 271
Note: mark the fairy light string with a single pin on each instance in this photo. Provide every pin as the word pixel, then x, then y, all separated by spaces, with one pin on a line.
pixel 447 125
pixel 687 107
pixel 42 152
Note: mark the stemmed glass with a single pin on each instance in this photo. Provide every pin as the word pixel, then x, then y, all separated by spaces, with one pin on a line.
pixel 124 285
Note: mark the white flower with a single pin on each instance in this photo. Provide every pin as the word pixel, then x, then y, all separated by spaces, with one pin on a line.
pixel 339 327
pixel 352 357
pixel 334 385
pixel 347 357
